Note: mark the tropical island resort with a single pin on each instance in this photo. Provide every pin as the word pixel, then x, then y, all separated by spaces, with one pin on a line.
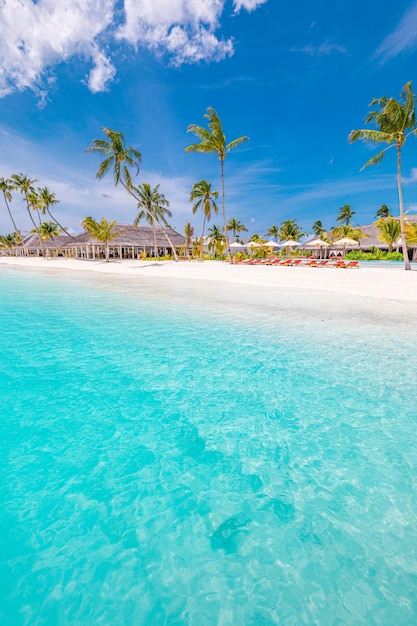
pixel 208 291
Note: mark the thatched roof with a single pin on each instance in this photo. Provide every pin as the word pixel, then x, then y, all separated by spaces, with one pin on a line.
pixel 129 235
pixel 33 241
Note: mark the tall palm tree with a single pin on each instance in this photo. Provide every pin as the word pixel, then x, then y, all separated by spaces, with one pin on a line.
pixel 383 212
pixel 6 187
pixel 119 158
pixel 189 234
pixel 46 200
pixel 22 183
pixel 345 214
pixel 395 121
pixel 154 207
pixel 213 139
pixel 318 229
pixel 389 231
pixel 274 232
pixel 34 203
pixel 290 230
pixel 236 226
pixel 205 199
pixel 103 231
pixel 217 240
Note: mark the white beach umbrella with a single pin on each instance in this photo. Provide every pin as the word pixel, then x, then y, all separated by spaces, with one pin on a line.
pixel 236 244
pixel 346 242
pixel 252 244
pixel 318 244
pixel 290 243
pixel 270 244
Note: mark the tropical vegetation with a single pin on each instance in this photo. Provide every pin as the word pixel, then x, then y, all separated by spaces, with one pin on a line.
pixel 394 120
pixel 205 200
pixel 104 231
pixel 213 139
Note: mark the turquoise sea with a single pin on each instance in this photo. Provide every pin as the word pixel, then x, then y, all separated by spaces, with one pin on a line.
pixel 174 454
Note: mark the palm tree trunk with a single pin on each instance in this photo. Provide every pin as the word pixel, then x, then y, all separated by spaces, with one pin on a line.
pixel 155 248
pixel 10 214
pixel 224 213
pixel 56 222
pixel 169 241
pixel 407 265
pixel 202 237
pixel 107 253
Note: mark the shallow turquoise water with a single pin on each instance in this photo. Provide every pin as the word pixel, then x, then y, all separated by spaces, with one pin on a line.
pixel 173 455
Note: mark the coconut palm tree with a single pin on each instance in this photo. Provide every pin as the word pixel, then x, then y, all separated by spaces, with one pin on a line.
pixel 346 230
pixel 217 240
pixel 213 139
pixel 189 234
pixel 47 230
pixel 389 231
pixel 119 158
pixel 6 187
pixel 290 230
pixel 395 121
pixel 205 199
pixel 154 207
pixel 236 226
pixel 273 231
pixel 103 231
pixel 9 242
pixel 382 212
pixel 46 200
pixel 345 214
pixel 318 229
pixel 22 183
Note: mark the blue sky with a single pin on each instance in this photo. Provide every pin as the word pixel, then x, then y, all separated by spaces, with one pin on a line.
pixel 294 78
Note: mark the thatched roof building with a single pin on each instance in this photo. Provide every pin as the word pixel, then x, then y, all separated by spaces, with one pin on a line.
pixel 130 241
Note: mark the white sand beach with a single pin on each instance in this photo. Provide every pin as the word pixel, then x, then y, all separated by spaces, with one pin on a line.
pixel 393 284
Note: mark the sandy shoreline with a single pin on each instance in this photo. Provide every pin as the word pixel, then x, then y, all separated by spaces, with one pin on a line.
pixel 384 283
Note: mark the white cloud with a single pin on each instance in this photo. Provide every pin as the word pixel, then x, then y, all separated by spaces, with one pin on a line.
pixel 36 36
pixel 402 37
pixel 102 73
pixel 249 5
pixel 323 49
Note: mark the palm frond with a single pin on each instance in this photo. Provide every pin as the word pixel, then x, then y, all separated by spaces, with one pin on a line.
pixel 376 159
pixel 236 142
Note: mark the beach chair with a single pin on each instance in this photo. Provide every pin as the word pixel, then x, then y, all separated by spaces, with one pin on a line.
pixel 352 264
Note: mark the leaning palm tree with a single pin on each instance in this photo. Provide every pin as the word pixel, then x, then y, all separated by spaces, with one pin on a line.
pixel 236 226
pixel 274 232
pixel 345 215
pixel 46 200
pixel 383 212
pixel 205 199
pixel 24 184
pixel 395 121
pixel 154 207
pixel 6 187
pixel 389 231
pixel 119 158
pixel 189 234
pixel 103 231
pixel 213 140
